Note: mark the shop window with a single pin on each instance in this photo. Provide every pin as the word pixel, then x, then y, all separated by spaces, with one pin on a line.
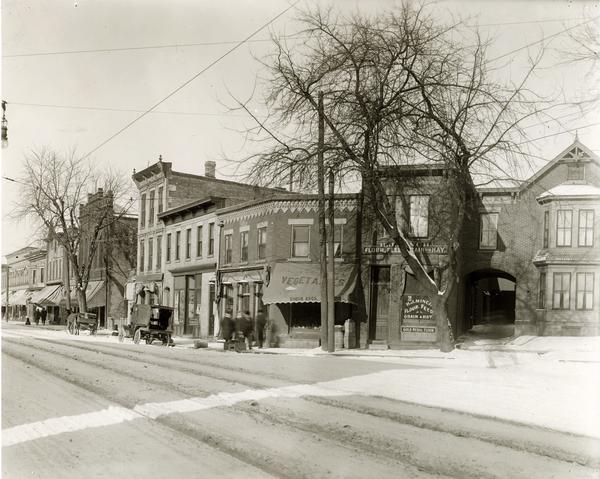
pixel 585 291
pixel 199 241
pixel 262 243
pixel 143 212
pixel 300 241
pixel 488 226
pixel 211 239
pixel 228 298
pixel 177 244
pixel 542 292
pixel 561 290
pixel 141 263
pixel 188 243
pixel 158 252
pixel 586 228
pixel 244 246
pixel 546 229
pixel 564 220
pixel 228 248
pixel 150 253
pixel 419 216
pixel 168 252
pixel 151 212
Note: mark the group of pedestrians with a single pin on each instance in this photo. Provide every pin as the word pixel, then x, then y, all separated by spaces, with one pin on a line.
pixel 243 328
pixel 39 314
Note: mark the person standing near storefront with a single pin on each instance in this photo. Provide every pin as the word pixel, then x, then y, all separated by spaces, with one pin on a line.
pixel 227 329
pixel 43 315
pixel 261 322
pixel 248 326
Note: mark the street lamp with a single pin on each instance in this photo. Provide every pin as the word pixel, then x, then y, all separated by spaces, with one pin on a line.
pixel 4 126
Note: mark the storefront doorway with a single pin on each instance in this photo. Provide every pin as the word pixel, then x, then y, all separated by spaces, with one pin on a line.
pixel 380 303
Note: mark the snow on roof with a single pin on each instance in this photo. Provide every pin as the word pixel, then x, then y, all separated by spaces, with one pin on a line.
pixel 570 190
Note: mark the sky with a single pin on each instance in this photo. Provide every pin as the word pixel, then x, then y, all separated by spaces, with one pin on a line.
pixel 79 100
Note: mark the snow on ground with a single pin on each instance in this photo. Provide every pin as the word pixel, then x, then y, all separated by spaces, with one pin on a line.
pixel 547 382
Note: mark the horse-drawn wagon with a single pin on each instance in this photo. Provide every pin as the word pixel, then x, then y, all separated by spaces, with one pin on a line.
pixel 78 321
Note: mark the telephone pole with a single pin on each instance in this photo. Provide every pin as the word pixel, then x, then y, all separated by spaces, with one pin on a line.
pixel 330 271
pixel 322 228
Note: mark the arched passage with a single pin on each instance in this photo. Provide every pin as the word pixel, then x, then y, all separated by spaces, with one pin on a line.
pixel 490 303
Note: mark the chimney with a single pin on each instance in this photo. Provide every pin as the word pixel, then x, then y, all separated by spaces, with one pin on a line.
pixel 209 168
pixel 100 191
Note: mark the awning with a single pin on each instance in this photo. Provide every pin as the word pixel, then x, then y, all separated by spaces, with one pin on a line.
pixel 252 276
pixel 95 294
pixel 10 295
pixel 40 297
pixel 301 283
pixel 20 297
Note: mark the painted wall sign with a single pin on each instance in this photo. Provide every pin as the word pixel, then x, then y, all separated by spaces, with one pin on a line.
pixel 417 308
pixel 428 248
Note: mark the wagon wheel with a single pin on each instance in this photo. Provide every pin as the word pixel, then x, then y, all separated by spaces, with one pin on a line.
pixel 121 334
pixel 137 336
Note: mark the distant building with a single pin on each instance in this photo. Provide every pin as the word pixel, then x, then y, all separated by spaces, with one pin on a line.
pixel 23 276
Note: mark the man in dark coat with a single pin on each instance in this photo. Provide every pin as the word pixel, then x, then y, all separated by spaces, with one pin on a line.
pixel 227 328
pixel 248 328
pixel 261 322
pixel 36 316
pixel 43 314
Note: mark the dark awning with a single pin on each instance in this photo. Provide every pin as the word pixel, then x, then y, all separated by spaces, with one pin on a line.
pixel 300 283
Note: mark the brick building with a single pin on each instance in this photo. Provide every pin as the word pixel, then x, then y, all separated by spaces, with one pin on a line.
pixel 176 198
pixel 531 255
pixel 269 259
pixel 24 276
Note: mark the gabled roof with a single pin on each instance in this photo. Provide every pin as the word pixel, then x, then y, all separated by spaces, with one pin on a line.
pixel 576 151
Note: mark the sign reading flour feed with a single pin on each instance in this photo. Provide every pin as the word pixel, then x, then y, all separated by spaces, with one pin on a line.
pixel 417 319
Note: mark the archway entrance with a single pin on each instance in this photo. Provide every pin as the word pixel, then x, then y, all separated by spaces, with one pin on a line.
pixel 490 304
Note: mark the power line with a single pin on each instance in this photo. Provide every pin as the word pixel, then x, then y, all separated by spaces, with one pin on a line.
pixel 193 78
pixel 544 38
pixel 76 107
pixel 232 42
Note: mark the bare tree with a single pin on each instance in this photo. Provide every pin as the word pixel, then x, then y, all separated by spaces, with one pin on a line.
pixel 54 193
pixel 399 88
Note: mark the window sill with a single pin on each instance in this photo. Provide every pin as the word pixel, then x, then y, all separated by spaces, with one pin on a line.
pixel 299 260
pixel 486 250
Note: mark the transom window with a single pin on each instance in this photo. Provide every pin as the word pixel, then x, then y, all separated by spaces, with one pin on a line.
pixel 586 228
pixel 564 219
pixel 488 237
pixel 419 216
pixel 561 290
pixel 585 291
pixel 300 241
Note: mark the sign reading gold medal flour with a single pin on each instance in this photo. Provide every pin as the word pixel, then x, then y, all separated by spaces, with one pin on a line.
pixel 417 319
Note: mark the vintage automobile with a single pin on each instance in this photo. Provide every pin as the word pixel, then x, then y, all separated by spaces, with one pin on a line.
pixel 149 322
pixel 78 321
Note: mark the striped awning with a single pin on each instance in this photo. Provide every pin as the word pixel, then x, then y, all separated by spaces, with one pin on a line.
pixel 20 297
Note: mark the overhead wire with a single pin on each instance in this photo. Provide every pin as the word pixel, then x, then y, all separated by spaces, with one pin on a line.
pixel 183 85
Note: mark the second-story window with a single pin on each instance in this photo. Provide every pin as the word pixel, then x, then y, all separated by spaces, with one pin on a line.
pixel 262 242
pixel 41 275
pixel 563 227
pixel 211 239
pixel 228 248
pixel 151 212
pixel 33 278
pixel 546 229
pixel 158 253
pixel 142 258
pixel 244 246
pixel 150 253
pixel 168 252
pixel 188 243
pixel 300 241
pixel 488 235
pixel 199 241
pixel 177 244
pixel 419 216
pixel 160 199
pixel 586 228
pixel 143 211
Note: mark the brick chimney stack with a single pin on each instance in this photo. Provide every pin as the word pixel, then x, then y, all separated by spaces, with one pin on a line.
pixel 210 168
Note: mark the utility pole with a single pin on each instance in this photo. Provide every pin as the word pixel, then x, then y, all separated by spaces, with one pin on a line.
pixel 322 228
pixel 7 285
pixel 330 272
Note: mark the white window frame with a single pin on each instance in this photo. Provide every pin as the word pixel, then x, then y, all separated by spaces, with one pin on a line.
pixel 488 233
